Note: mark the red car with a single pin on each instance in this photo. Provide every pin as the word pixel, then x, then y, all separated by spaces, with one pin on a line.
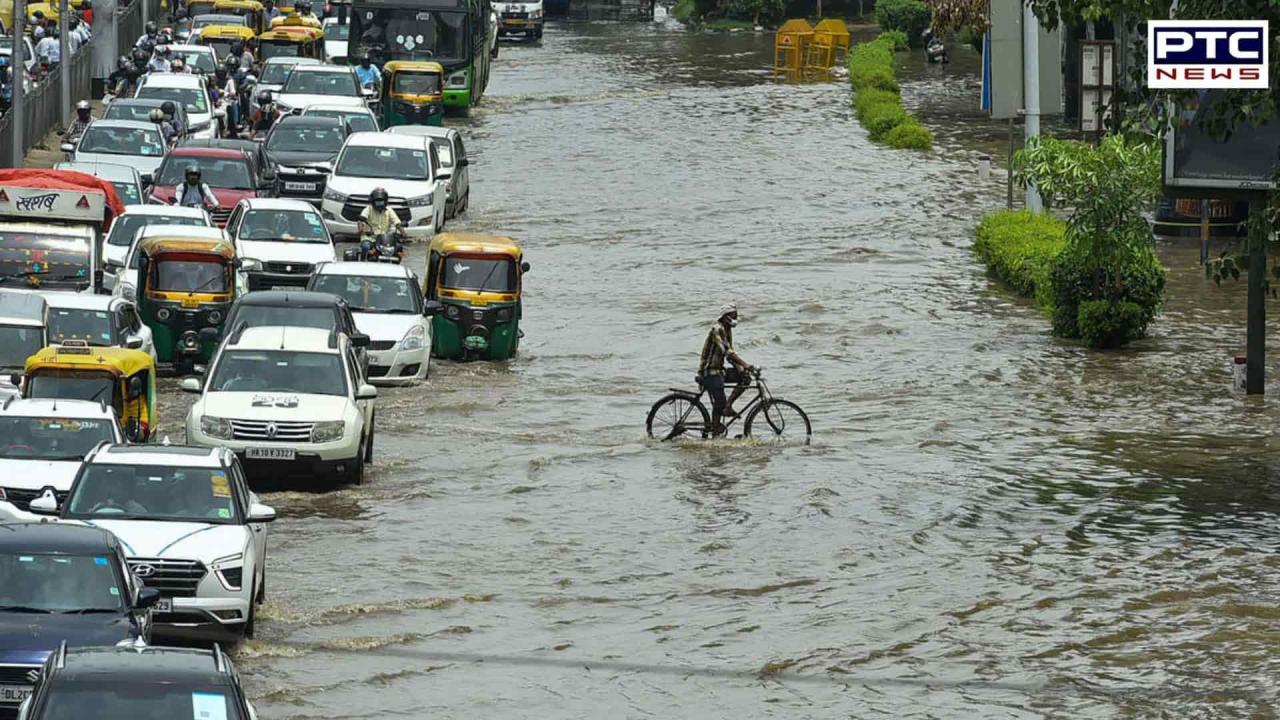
pixel 233 175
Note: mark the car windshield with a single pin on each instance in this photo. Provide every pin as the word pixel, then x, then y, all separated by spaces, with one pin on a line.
pixel 287 315
pixel 334 31
pixel 109 140
pixel 130 111
pixel 283 225
pixel 321 83
pixel 383 162
pixel 127 226
pixel 200 21
pixel 214 172
pixel 72 385
pixel 65 258
pixel 359 121
pixel 201 61
pixel 295 137
pixel 153 492
pixel 50 583
pixel 274 49
pixel 480 274
pixel 19 343
pixel 371 294
pixel 91 326
pixel 128 192
pixel 104 700
pixel 193 99
pixel 41 438
pixel 283 371
pixel 275 73
pixel 411 33
pixel 203 276
pixel 410 83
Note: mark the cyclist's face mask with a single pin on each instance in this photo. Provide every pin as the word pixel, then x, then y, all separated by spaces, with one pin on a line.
pixel 379 204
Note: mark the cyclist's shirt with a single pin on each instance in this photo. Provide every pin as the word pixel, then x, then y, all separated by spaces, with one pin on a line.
pixel 715 349
pixel 380 221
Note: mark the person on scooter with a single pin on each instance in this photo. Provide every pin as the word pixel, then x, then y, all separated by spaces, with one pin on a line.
pixel 265 116
pixel 160 61
pixel 148 41
pixel 170 111
pixel 377 220
pixel 166 128
pixel 193 192
pixel 242 55
pixel 123 80
pixel 226 87
pixel 84 116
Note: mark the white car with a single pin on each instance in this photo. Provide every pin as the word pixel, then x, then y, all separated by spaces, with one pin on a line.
pixel 286 400
pixel 136 144
pixel 279 242
pixel 407 166
pixel 192 92
pixel 197 57
pixel 190 526
pixel 126 284
pixel 274 72
pixel 126 226
pixel 336 35
pixel 520 18
pixel 100 320
pixel 312 84
pixel 359 119
pixel 453 160
pixel 44 442
pixel 386 302
pixel 24 319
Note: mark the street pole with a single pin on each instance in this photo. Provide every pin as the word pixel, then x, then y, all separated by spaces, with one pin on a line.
pixel 19 105
pixel 145 15
pixel 1031 90
pixel 1256 342
pixel 64 62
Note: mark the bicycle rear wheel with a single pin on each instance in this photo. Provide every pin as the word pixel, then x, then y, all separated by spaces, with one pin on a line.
pixel 779 420
pixel 677 415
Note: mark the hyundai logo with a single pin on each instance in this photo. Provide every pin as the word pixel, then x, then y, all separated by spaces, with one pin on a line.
pixel 144 570
pixel 272 430
pixel 288 268
pixel 33 675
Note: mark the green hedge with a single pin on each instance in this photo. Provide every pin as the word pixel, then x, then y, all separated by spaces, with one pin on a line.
pixel 1019 247
pixel 911 17
pixel 877 102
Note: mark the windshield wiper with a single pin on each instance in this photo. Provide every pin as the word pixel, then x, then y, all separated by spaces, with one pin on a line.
pixel 485 283
pixel 23 608
pixel 204 285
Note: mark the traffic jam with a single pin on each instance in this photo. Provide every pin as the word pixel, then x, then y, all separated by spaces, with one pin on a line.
pixel 235 218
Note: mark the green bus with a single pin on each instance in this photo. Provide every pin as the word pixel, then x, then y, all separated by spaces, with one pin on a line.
pixel 454 33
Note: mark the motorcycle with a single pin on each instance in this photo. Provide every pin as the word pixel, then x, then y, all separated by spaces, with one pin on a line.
pixel 387 247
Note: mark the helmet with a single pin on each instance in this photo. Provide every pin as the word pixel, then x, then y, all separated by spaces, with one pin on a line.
pixel 264 98
pixel 73 23
pixel 365 59
pixel 82 109
pixel 378 198
pixel 38 15
pixel 192 174
pixel 86 4
pixel 151 27
pixel 156 115
pixel 221 72
pixel 123 62
pixel 302 6
pixel 168 108
pixel 140 56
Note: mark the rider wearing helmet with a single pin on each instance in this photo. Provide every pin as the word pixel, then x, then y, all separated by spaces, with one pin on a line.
pixel 712 374
pixel 148 41
pixel 241 55
pixel 367 73
pixel 226 87
pixel 265 116
pixel 81 123
pixel 302 8
pixel 193 192
pixel 377 219
pixel 160 61
pixel 170 111
pixel 166 128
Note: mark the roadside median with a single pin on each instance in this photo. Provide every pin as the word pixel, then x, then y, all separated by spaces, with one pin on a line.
pixel 877 100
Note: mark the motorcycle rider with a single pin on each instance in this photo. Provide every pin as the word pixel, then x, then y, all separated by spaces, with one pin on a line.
pixel 122 81
pixel 84 116
pixel 86 12
pixel 377 220
pixel 38 32
pixel 367 73
pixel 226 87
pixel 302 8
pixel 265 116
pixel 171 116
pixel 242 55
pixel 160 61
pixel 193 192
pixel 179 66
pixel 166 128
pixel 149 38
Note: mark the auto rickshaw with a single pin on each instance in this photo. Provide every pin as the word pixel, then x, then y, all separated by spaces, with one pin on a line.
pixel 292 20
pixel 221 37
pixel 48 9
pixel 472 287
pixel 184 289
pixel 412 93
pixel 251 9
pixel 123 377
pixel 291 41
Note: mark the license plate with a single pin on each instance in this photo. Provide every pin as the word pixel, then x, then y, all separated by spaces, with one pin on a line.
pixel 300 187
pixel 513 21
pixel 284 287
pixel 164 605
pixel 190 302
pixel 269 453
pixel 14 694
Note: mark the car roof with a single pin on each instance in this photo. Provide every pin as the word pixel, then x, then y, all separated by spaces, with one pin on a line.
pixel 376 139
pixel 169 210
pixel 144 664
pixel 184 455
pixel 205 49
pixel 336 107
pixel 58 538
pixel 202 232
pixel 56 407
pixel 292 61
pixel 105 170
pixel 84 301
pixel 248 146
pixel 126 124
pixel 422 130
pixel 323 68
pixel 279 204
pixel 281 337
pixel 23 305
pixel 207 152
pixel 297 298
pixel 176 80
pixel 292 120
pixel 365 269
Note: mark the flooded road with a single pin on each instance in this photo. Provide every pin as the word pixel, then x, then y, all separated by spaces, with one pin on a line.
pixel 989 523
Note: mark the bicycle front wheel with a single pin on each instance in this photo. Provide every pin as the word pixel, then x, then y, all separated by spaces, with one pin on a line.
pixel 779 420
pixel 676 416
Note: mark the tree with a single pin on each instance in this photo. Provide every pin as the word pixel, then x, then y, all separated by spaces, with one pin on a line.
pixel 955 15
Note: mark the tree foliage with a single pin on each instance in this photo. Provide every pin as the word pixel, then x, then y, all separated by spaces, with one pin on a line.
pixel 956 15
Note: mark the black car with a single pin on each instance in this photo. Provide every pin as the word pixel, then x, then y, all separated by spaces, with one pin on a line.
pixel 302 150
pixel 265 168
pixel 62 584
pixel 114 683
pixel 300 308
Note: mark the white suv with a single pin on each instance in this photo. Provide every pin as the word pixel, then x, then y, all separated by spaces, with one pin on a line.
pixel 287 400
pixel 279 242
pixel 190 526
pixel 406 166
pixel 44 443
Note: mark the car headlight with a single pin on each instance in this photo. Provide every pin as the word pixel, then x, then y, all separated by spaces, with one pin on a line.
pixel 535 14
pixel 230 570
pixel 327 431
pixel 422 200
pixel 458 79
pixel 215 427
pixel 414 339
pixel 334 195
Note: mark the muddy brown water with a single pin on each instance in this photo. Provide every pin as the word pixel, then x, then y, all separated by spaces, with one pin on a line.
pixel 989 523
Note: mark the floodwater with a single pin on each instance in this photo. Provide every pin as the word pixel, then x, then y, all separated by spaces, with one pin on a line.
pixel 989 522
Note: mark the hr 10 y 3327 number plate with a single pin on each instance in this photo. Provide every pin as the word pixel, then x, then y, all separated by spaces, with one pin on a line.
pixel 269 453
pixel 14 694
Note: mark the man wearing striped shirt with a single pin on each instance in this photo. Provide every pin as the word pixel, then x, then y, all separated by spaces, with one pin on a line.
pixel 716 349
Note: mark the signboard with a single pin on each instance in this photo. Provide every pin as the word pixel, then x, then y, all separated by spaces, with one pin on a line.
pixel 38 204
pixel 1002 65
pixel 1196 164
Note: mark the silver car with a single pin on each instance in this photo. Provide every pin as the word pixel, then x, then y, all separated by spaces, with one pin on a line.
pixel 453 160
pixel 130 185
pixel 120 142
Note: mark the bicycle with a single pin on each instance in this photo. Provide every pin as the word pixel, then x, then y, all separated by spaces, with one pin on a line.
pixel 682 414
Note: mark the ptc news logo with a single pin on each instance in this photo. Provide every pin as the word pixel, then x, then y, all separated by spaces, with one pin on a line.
pixel 1207 54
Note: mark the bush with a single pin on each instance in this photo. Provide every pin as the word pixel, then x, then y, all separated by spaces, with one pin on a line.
pixel 757 11
pixel 873 76
pixel 882 118
pixel 1104 324
pixel 909 135
pixel 908 16
pixel 1019 247
pixel 897 37
pixel 869 98
pixel 871 65
pixel 1077 279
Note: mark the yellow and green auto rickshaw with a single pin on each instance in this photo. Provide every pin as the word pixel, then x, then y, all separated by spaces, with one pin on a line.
pixel 222 37
pixel 123 378
pixel 185 287
pixel 291 41
pixel 251 9
pixel 412 93
pixel 472 287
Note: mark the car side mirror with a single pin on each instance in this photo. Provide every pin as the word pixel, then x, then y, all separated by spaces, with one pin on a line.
pixel 135 385
pixel 268 174
pixel 134 344
pixel 147 597
pixel 351 255
pixel 190 385
pixel 148 180
pixel 367 392
pixel 15 379
pixel 68 148
pixel 259 513
pixel 46 504
pixel 432 308
pixel 367 92
pixel 209 334
pixel 464 162
pixel 524 267
pixel 359 340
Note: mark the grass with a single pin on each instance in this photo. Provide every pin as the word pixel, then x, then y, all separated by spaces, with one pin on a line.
pixel 1019 248
pixel 877 101
pixel 730 24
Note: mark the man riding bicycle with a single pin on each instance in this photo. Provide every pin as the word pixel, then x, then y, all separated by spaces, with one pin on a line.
pixel 712 374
